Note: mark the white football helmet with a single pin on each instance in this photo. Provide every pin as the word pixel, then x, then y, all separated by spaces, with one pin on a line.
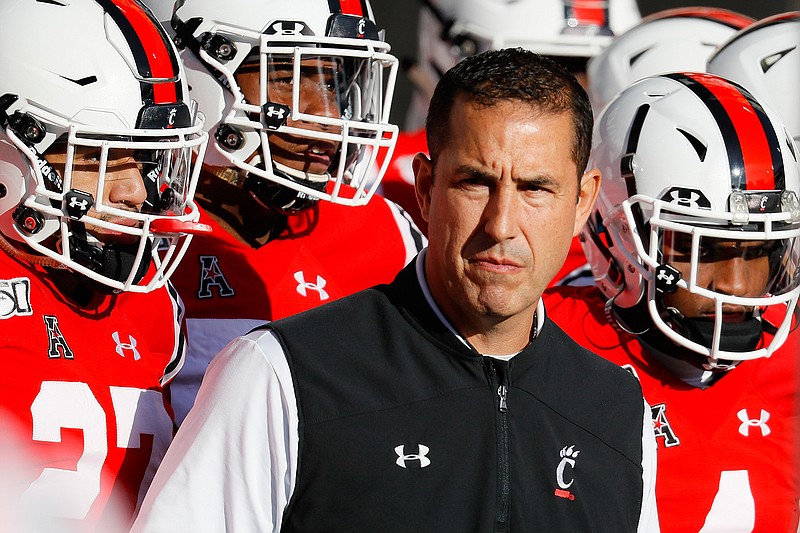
pixel 765 58
pixel 110 98
pixel 280 40
pixel 570 30
pixel 691 161
pixel 673 40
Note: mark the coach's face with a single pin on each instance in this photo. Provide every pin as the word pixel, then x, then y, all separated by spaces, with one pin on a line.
pixel 503 202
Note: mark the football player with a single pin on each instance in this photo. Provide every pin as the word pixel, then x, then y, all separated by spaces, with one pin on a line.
pixel 97 136
pixel 694 245
pixel 296 96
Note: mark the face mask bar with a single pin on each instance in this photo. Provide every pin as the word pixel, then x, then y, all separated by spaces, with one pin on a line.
pixel 161 230
pixel 362 132
pixel 779 232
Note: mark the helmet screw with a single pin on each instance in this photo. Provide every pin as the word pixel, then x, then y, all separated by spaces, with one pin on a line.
pixel 229 137
pixel 3 191
pixel 224 50
pixel 232 140
pixel 32 132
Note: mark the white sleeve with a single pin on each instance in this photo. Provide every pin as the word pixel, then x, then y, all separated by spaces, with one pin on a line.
pixel 232 465
pixel 648 520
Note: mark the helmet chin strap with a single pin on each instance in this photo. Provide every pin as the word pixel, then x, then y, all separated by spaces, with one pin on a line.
pixel 742 336
pixel 283 199
pixel 690 366
pixel 111 260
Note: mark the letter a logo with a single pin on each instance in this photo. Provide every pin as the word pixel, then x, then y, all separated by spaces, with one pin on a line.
pixel 58 346
pixel 211 276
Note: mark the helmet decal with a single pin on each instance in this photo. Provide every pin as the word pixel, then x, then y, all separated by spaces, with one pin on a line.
pixel 582 13
pixel 150 49
pixel 349 7
pixel 757 163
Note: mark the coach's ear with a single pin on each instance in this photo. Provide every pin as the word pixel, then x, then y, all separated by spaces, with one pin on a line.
pixel 423 180
pixel 590 186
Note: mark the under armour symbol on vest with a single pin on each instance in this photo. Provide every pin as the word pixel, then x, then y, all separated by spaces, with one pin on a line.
pixel 304 286
pixel 122 347
pixel 748 422
pixel 422 456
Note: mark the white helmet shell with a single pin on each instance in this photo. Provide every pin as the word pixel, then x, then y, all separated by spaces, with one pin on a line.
pixel 765 58
pixel 695 154
pixel 450 30
pixel 217 37
pixel 673 40
pixel 113 83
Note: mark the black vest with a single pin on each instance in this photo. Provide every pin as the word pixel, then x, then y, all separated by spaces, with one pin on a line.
pixel 403 428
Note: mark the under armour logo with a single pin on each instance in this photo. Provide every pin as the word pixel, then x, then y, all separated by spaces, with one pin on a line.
pixel 690 201
pixel 287 27
pixel 122 346
pixel 78 203
pixel 684 197
pixel 421 456
pixel 81 204
pixel 304 286
pixel 748 422
pixel 568 455
pixel 273 111
pixel 667 278
pixel 275 115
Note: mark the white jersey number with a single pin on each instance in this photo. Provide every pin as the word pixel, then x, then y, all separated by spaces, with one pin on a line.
pixel 71 493
pixel 734 509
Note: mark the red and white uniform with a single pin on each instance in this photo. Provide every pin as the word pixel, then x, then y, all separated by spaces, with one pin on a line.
pixel 326 252
pixel 82 401
pixel 727 454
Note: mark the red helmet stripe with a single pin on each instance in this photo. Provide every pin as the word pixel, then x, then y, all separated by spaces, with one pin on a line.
pixel 148 43
pixel 750 141
pixel 714 14
pixel 588 12
pixel 352 7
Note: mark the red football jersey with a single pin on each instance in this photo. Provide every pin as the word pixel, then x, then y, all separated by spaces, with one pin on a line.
pixel 727 454
pixel 326 252
pixel 82 397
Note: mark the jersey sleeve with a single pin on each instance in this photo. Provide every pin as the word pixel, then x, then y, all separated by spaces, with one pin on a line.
pixel 648 519
pixel 413 239
pixel 233 463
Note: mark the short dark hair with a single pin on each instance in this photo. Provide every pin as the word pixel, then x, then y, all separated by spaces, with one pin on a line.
pixel 511 74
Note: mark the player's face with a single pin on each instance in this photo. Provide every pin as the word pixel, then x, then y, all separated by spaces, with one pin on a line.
pixel 503 203
pixel 321 87
pixel 736 268
pixel 123 186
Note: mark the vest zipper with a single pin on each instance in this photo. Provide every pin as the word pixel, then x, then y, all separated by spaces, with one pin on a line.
pixel 499 371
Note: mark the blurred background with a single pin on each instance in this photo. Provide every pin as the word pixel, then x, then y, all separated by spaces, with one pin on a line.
pixel 399 19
